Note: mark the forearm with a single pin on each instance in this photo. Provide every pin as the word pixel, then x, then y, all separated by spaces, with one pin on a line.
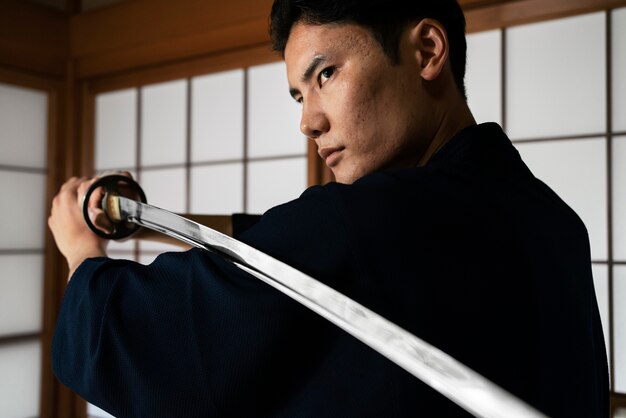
pixel 73 238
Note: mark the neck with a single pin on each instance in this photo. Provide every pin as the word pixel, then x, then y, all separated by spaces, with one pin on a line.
pixel 456 118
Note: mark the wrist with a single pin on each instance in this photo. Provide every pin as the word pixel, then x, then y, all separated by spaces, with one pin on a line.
pixel 77 258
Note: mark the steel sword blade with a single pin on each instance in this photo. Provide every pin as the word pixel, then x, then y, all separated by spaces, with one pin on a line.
pixel 457 382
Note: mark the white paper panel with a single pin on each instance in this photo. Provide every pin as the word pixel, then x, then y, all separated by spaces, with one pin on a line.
pixel 576 171
pixel 483 78
pixel 619 198
pixel 116 130
pixel 21 293
pixel 618 26
pixel 152 248
pixel 20 380
pixel 274 182
pixel 619 413
pixel 217 189
pixel 23 215
pixel 601 285
pixel 164 123
pixel 165 189
pixel 556 77
pixel 147 258
pixel 619 327
pixel 273 115
pixel 126 246
pixel 217 116
pixel 23 122
pixel 95 412
pixel 122 255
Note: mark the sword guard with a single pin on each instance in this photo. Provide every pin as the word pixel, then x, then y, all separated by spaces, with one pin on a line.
pixel 111 185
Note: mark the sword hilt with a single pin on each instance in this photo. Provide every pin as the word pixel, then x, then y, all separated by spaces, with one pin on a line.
pixel 110 205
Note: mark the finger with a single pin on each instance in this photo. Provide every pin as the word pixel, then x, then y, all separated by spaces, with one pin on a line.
pixel 84 185
pixel 100 220
pixel 94 198
pixel 72 184
pixel 82 190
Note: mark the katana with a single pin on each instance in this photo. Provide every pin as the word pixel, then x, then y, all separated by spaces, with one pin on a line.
pixel 462 385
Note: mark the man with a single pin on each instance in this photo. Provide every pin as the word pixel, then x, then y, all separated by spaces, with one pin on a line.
pixel 434 222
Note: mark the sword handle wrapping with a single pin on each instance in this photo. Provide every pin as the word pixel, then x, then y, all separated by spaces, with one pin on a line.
pixel 111 189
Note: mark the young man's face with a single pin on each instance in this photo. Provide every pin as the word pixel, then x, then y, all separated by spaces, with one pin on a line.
pixel 364 113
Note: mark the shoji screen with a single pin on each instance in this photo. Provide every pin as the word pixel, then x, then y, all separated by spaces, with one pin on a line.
pixel 23 138
pixel 558 89
pixel 116 128
pixel 220 143
pixel 483 81
pixel 557 113
pixel 618 136
pixel 276 148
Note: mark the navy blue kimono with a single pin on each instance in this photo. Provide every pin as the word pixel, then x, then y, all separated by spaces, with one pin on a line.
pixel 471 253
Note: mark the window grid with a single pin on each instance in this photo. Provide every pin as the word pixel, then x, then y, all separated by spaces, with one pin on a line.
pixel 610 219
pixel 608 136
pixel 20 336
pixel 136 252
pixel 609 168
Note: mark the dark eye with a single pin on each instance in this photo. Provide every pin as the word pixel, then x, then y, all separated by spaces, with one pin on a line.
pixel 325 74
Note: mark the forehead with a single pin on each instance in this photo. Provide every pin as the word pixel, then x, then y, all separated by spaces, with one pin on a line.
pixel 326 32
pixel 333 40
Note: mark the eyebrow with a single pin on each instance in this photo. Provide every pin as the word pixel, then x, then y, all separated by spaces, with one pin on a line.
pixel 317 60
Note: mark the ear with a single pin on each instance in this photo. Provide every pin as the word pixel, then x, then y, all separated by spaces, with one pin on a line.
pixel 430 45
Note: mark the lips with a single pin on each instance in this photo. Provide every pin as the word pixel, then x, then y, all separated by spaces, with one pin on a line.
pixel 330 155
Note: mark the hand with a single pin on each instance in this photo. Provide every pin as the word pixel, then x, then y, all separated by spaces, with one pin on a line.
pixel 72 235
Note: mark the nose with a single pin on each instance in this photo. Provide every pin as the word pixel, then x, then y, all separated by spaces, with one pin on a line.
pixel 313 122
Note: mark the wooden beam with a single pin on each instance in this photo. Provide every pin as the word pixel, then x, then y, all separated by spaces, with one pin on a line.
pixel 146 32
pixel 618 401
pixel 244 57
pixel 473 4
pixel 33 38
pixel 33 81
pixel 512 13
pixel 19 338
pixel 171 51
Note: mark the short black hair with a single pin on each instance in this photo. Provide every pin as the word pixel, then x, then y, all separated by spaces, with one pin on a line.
pixel 385 19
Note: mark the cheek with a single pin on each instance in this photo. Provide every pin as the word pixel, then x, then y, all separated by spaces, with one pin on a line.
pixel 362 110
pixel 357 98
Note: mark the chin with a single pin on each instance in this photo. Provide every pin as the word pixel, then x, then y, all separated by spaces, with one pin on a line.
pixel 342 179
pixel 349 176
pixel 347 179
